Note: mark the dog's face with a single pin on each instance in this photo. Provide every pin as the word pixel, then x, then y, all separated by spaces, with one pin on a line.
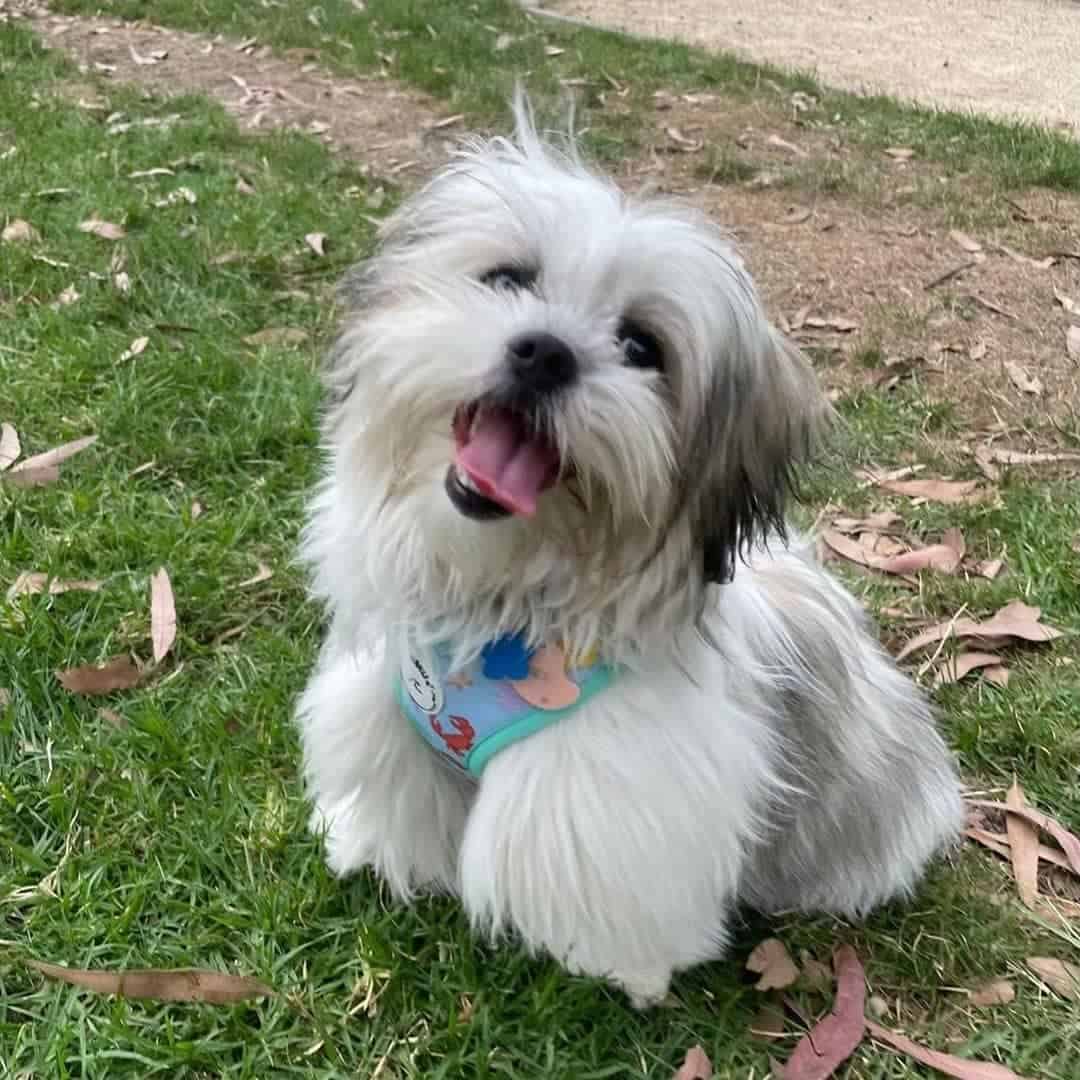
pixel 545 383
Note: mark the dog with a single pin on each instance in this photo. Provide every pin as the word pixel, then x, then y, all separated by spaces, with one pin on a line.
pixel 560 438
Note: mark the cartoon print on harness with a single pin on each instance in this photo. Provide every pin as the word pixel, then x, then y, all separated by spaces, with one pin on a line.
pixel 460 741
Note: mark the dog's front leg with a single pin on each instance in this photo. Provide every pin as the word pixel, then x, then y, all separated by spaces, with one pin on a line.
pixel 380 795
pixel 617 871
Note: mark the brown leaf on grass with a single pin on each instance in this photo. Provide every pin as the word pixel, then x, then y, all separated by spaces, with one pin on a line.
pixel 67 297
pixel 10 447
pixel 998 675
pixel 31 582
pixel 119 673
pixel 961 1068
pixel 1023 380
pixel 106 230
pixel 1072 342
pixel 1026 260
pixel 277 335
pixel 990 568
pixel 978 351
pixel 1023 848
pixel 944 557
pixel 162 615
pixel 770 960
pixel 954 669
pixel 1014 620
pixel 316 241
pixel 965 242
pixel 833 1040
pixel 943 491
pixel 180 984
pixel 264 574
pixel 900 153
pixel 696 1066
pixel 553 50
pixel 998 992
pixel 44 468
pixel 243 187
pixel 999 844
pixel 870 477
pixel 989 305
pixel 1061 976
pixel 1069 844
pixel 20 232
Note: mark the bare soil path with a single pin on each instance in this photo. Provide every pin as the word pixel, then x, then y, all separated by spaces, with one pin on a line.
pixel 1009 58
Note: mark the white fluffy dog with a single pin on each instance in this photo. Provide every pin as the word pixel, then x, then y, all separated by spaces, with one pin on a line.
pixel 560 439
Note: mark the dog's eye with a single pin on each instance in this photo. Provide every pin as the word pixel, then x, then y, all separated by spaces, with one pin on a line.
pixel 640 348
pixel 509 277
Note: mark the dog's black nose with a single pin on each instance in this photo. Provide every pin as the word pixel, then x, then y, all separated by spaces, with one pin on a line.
pixel 541 362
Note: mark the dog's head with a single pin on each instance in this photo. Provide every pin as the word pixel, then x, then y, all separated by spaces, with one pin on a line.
pixel 556 397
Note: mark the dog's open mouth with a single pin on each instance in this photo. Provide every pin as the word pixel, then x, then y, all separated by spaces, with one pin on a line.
pixel 501 466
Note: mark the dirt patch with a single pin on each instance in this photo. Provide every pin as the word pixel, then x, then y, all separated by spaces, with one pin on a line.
pixel 862 281
pixel 1013 58
pixel 871 268
pixel 390 128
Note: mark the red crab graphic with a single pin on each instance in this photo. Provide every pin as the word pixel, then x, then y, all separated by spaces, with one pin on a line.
pixel 460 740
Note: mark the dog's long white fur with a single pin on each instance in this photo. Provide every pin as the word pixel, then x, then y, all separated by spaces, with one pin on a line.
pixel 757 747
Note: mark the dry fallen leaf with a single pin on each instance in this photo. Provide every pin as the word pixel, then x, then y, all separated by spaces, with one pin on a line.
pixel 180 984
pixel 553 50
pixel 900 153
pixel 10 447
pixel 998 675
pixel 945 557
pixel 31 582
pixel 1061 976
pixel 955 669
pixel 878 522
pixel 181 196
pixel 119 673
pixel 136 348
pixel 771 961
pixel 277 335
pixel 317 242
pixel 1069 843
pixel 20 232
pixel 1023 848
pixel 243 187
pixel 998 992
pixel 684 142
pixel 264 574
pixel 783 144
pixel 67 297
pixel 1072 342
pixel 831 322
pixel 943 491
pixel 990 568
pixel 961 1068
pixel 697 1066
pixel 112 717
pixel 1015 620
pixel 833 1040
pixel 1022 379
pixel 962 240
pixel 978 351
pixel 1020 457
pixel 796 215
pixel 106 230
pixel 162 615
pixel 45 468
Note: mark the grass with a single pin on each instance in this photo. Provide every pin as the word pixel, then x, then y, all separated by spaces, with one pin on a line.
pixel 178 839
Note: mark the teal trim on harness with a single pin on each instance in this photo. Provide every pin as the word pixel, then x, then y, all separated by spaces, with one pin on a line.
pixel 468 716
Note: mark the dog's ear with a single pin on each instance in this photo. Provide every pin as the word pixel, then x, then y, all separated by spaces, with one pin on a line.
pixel 764 415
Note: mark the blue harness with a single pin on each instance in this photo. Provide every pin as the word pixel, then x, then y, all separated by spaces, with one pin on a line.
pixel 469 715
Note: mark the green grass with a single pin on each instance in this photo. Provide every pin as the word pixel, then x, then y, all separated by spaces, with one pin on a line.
pixel 447 49
pixel 178 840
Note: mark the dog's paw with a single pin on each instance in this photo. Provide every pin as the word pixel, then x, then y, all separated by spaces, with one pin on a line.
pixel 344 849
pixel 646 990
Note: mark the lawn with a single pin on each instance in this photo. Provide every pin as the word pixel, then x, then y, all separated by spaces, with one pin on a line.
pixel 163 826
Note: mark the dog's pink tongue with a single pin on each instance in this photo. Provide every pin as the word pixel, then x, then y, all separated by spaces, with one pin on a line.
pixel 506 465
